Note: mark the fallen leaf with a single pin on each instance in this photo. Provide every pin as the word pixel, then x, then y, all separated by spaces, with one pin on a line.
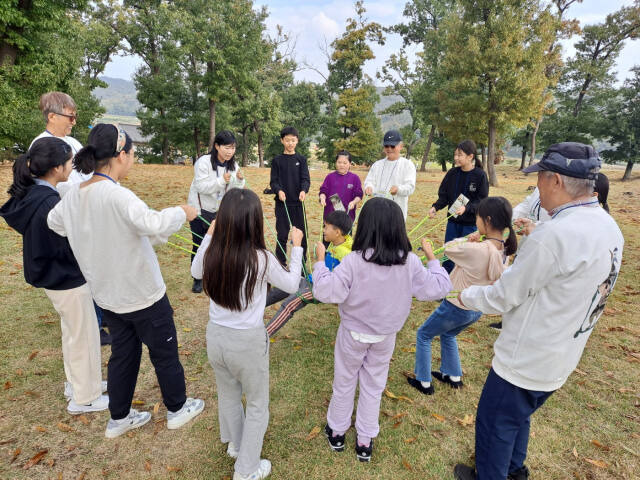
pixel 408 349
pixel 83 419
pixel 35 459
pixel 389 394
pixel 186 329
pixel 33 354
pixel 580 372
pixel 297 347
pixel 405 399
pixel 147 466
pixel 575 452
pixel 597 463
pixel 399 415
pixel 174 469
pixel 438 417
pixel 40 429
pixel 82 475
pixel 9 440
pixel 407 465
pixel 8 385
pixel 410 440
pixel 137 402
pixel 599 445
pixel 63 427
pixel 311 332
pixel 51 462
pixel 466 421
pixel 16 452
pixel 313 433
pixel 156 408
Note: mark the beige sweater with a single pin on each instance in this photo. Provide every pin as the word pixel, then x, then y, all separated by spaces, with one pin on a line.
pixel 477 263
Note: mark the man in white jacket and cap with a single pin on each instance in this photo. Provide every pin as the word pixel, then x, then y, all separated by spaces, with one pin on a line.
pixel 550 300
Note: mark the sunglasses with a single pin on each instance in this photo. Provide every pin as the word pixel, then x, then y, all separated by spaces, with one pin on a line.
pixel 73 117
pixel 390 146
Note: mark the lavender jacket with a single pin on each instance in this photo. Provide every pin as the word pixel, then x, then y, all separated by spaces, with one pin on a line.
pixel 374 299
pixel 347 186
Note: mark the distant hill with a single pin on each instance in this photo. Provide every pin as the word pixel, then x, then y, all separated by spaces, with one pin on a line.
pixel 119 99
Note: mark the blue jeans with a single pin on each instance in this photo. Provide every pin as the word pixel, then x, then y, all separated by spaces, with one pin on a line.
pixel 502 426
pixel 455 230
pixel 447 321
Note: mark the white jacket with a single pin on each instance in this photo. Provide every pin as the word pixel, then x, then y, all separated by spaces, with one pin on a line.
pixel 530 208
pixel 111 231
pixel 208 186
pixel 552 296
pixel 385 173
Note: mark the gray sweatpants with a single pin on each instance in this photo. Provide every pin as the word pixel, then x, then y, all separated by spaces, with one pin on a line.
pixel 240 360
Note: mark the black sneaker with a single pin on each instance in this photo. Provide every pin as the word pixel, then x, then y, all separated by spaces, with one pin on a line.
pixel 415 383
pixel 521 474
pixel 364 453
pixel 496 326
pixel 197 286
pixel 105 337
pixel 444 378
pixel 464 472
pixel 336 443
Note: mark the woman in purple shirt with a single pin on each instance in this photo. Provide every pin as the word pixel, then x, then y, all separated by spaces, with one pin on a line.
pixel 345 184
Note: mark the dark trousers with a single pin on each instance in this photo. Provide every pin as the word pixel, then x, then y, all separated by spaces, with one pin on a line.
pixel 453 231
pixel 154 327
pixel 198 227
pixel 283 227
pixel 502 426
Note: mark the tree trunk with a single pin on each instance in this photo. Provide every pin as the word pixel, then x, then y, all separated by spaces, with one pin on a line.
pixel 627 171
pixel 212 123
pixel 583 91
pixel 483 157
pixel 524 152
pixel 245 152
pixel 165 139
pixel 491 154
pixel 196 140
pixel 533 141
pixel 425 157
pixel 260 147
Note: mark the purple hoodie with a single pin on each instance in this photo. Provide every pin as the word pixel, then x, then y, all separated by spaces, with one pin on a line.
pixel 374 299
pixel 347 186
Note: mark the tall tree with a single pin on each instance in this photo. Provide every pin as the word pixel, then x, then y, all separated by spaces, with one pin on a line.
pixel 623 126
pixel 353 92
pixel 495 62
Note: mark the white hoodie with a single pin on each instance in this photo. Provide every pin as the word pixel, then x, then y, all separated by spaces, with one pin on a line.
pixel 386 173
pixel 208 185
pixel 552 296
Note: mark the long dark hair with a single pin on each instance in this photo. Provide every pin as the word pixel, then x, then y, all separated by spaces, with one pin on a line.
pixel 231 261
pixel 497 212
pixel 101 147
pixel 45 153
pixel 223 137
pixel 381 228
pixel 469 147
pixel 602 189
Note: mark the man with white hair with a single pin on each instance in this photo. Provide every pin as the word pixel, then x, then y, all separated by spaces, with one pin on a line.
pixel 550 300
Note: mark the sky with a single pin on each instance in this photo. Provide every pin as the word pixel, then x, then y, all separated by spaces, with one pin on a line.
pixel 314 23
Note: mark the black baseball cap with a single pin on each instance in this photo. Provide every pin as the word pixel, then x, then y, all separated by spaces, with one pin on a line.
pixel 571 159
pixel 392 137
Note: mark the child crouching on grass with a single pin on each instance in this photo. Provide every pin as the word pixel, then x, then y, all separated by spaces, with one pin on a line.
pixel 373 286
pixel 235 267
pixel 476 263
pixel 336 232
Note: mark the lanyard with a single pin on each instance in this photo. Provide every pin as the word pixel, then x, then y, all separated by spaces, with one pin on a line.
pixel 384 167
pixel 105 176
pixel 573 206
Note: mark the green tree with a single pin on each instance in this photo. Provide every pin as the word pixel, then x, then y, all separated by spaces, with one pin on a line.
pixel 495 61
pixel 623 124
pixel 352 123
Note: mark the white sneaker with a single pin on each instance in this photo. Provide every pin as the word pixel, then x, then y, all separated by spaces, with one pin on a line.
pixel 263 472
pixel 191 408
pixel 135 419
pixel 99 404
pixel 232 450
pixel 68 389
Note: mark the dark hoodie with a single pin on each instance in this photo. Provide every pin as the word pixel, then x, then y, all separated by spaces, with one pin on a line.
pixel 47 257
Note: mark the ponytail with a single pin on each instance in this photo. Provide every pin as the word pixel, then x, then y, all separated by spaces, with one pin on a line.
pixel 105 142
pixel 45 153
pixel 497 212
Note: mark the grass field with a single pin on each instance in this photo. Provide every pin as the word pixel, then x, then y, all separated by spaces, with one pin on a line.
pixel 589 429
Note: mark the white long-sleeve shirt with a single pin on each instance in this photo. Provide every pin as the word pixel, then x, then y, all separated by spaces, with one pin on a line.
pixel 75 176
pixel 552 296
pixel 208 186
pixel 270 271
pixel 386 173
pixel 111 232
pixel 530 208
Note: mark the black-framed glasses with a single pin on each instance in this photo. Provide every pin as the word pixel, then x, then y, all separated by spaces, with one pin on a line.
pixel 73 117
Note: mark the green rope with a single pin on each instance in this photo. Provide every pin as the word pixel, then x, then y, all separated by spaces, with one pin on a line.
pixel 418 226
pixel 186 240
pixel 200 217
pixel 180 248
pixel 432 228
pixel 194 233
pixel 306 234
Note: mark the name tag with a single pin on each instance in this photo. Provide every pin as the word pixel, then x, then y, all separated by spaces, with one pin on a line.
pixel 350 185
